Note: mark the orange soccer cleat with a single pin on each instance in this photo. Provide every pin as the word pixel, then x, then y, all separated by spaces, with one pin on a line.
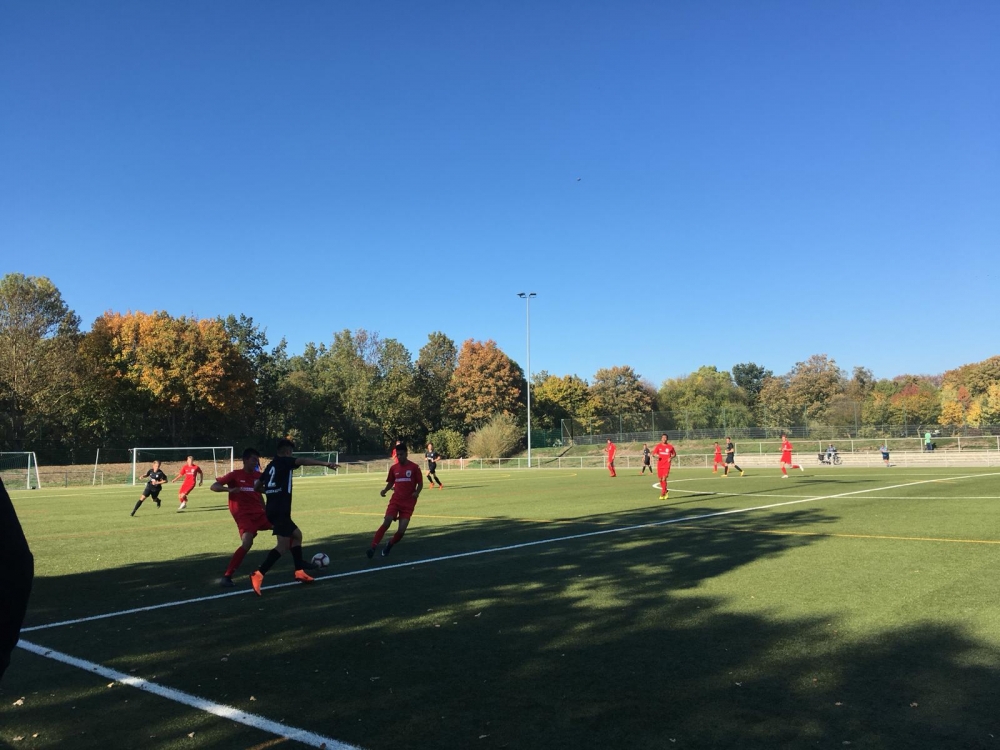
pixel 301 575
pixel 256 579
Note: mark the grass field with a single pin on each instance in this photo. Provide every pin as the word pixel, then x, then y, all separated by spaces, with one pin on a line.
pixel 548 608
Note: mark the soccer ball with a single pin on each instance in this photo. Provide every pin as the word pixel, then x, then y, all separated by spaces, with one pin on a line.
pixel 321 559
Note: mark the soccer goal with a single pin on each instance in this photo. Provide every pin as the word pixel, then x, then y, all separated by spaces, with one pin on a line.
pixel 213 460
pixel 20 469
pixel 317 471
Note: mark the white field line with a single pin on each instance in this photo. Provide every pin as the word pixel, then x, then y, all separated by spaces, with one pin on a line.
pixel 216 709
pixel 492 550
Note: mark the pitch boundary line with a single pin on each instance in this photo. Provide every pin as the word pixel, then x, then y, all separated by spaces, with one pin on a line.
pixel 193 701
pixel 491 550
pixel 884 537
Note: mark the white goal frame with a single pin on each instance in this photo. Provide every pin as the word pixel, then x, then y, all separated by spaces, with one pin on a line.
pixel 175 448
pixel 32 463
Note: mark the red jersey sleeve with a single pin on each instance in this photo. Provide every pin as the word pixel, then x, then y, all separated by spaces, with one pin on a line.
pixel 225 479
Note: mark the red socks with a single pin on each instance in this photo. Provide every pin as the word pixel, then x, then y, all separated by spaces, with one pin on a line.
pixel 234 563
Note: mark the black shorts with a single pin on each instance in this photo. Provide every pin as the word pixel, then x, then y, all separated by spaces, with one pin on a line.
pixel 730 458
pixel 280 516
pixel 645 461
pixel 431 467
pixel 152 490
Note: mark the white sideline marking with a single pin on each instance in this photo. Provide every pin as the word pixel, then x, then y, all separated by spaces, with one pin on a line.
pixel 491 550
pixel 216 709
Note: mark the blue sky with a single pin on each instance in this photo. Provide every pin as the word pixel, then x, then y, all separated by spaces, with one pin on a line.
pixel 681 183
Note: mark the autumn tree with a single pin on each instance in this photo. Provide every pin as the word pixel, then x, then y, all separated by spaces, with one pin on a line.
pixel 485 382
pixel 916 403
pixel 776 408
pixel 37 350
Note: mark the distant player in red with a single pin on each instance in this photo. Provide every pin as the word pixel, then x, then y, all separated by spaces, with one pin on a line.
pixel 786 457
pixel 190 471
pixel 246 505
pixel 405 480
pixel 718 460
pixel 611 449
pixel 395 457
pixel 665 453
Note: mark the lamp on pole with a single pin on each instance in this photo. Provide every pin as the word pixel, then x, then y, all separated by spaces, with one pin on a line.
pixel 527 304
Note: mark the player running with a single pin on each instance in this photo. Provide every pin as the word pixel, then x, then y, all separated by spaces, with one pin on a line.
pixel 731 457
pixel 645 460
pixel 611 449
pixel 432 457
pixel 786 457
pixel 154 480
pixel 247 507
pixel 717 460
pixel 665 453
pixel 276 484
pixel 190 471
pixel 405 480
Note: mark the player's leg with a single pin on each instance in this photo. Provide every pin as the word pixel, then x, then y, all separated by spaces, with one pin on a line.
pixel 283 528
pixel 380 532
pixel 404 522
pixel 246 542
pixel 663 486
pixel 142 498
pixel 295 545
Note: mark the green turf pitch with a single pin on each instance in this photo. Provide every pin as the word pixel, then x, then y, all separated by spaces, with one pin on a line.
pixel 832 607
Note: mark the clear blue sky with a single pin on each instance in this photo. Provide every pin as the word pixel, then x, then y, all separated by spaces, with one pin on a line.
pixel 682 183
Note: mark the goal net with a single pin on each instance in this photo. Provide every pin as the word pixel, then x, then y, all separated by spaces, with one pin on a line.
pixel 20 470
pixel 317 471
pixel 213 460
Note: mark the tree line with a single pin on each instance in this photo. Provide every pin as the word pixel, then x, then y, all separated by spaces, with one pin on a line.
pixel 155 379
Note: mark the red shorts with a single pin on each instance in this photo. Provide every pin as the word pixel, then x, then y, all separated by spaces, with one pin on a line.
pixel 185 488
pixel 250 520
pixel 663 472
pixel 400 510
pixel 719 459
pixel 786 458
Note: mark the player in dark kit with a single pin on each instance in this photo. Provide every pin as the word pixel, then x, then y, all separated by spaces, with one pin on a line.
pixel 432 457
pixel 154 480
pixel 405 480
pixel 645 460
pixel 276 484
pixel 731 457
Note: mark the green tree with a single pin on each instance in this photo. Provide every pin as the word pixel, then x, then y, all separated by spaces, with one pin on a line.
pixel 749 378
pixel 554 398
pixel 706 398
pixel 435 365
pixel 486 382
pixel 619 390
pixel 776 407
pixel 38 334
pixel 813 384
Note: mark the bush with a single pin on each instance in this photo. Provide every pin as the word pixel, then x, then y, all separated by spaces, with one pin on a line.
pixel 449 443
pixel 498 438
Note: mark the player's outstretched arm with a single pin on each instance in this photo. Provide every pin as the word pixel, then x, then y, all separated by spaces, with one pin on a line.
pixel 299 461
pixel 218 486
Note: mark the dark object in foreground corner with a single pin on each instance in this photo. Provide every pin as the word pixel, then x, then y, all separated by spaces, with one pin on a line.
pixel 17 569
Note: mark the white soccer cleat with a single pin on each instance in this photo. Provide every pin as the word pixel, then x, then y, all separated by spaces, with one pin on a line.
pixel 183 506
pixel 784 476
pixel 802 469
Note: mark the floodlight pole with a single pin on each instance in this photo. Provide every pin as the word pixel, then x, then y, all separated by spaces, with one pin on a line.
pixel 527 303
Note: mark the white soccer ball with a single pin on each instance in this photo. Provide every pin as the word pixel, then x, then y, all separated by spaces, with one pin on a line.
pixel 321 559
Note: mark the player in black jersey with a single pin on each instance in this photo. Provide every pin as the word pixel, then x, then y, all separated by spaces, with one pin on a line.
pixel 731 457
pixel 432 457
pixel 645 460
pixel 275 482
pixel 154 480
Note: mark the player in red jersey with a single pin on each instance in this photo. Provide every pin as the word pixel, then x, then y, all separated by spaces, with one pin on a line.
pixel 405 480
pixel 786 457
pixel 717 461
pixel 611 449
pixel 665 453
pixel 190 471
pixel 246 505
pixel 395 446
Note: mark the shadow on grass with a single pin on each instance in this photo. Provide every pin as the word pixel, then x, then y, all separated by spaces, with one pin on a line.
pixel 641 638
